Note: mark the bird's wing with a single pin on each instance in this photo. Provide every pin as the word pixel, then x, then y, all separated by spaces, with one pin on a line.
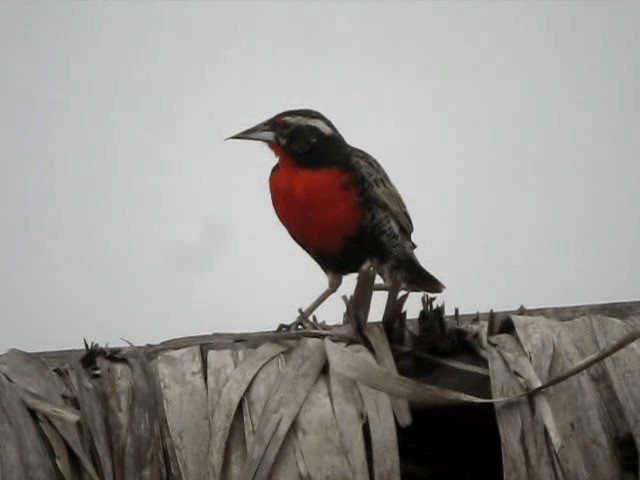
pixel 382 190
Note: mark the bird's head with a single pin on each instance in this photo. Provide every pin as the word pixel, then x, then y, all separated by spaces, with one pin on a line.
pixel 306 136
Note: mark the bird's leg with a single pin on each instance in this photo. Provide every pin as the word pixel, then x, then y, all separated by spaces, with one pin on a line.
pixel 303 320
pixel 335 280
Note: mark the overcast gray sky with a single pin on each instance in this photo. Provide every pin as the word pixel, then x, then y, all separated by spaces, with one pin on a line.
pixel 510 128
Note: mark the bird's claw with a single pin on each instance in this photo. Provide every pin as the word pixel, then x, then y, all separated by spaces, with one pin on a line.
pixel 303 322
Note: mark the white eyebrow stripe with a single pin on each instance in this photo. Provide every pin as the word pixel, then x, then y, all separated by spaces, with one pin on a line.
pixel 315 122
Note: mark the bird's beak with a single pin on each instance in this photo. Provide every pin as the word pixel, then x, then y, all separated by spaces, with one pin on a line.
pixel 261 132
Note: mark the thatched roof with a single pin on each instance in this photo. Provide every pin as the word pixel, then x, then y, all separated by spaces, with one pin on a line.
pixel 316 406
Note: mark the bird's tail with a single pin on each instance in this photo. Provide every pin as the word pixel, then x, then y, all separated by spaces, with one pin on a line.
pixel 416 278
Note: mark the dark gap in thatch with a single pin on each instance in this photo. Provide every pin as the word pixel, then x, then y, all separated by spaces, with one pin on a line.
pixel 449 443
pixel 366 432
pixel 628 451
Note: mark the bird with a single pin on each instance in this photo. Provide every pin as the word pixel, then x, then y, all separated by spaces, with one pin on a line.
pixel 337 202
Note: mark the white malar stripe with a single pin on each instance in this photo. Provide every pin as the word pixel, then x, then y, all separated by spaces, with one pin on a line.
pixel 315 122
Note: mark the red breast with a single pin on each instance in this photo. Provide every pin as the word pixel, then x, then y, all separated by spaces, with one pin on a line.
pixel 320 207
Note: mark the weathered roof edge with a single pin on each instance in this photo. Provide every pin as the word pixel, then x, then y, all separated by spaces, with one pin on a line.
pixel 619 310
